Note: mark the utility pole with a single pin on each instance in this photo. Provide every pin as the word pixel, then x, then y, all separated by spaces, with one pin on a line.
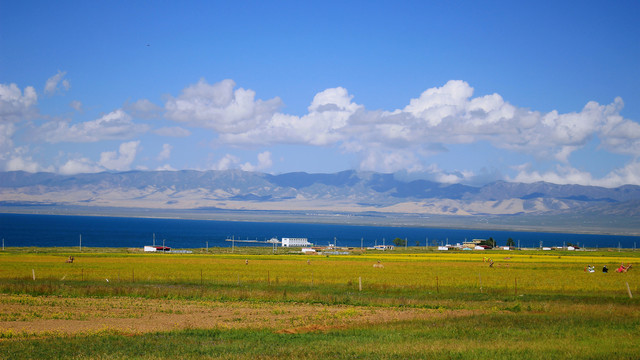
pixel 80 242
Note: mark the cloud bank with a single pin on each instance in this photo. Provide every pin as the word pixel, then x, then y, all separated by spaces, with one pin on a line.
pixel 119 160
pixel 403 139
pixel 443 115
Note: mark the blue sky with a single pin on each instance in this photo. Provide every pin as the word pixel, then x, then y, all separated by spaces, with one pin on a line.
pixel 455 91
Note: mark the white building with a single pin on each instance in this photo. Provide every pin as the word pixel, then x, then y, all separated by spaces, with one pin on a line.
pixel 154 248
pixel 295 242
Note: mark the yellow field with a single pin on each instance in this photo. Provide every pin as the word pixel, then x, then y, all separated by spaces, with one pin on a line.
pixel 512 273
pixel 114 304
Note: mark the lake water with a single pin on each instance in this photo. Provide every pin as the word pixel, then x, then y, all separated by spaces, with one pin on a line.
pixel 57 230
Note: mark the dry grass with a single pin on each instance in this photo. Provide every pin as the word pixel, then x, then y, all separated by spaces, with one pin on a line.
pixel 26 314
pixel 436 305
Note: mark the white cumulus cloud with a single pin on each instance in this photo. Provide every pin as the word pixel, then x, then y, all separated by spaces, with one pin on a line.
pixel 436 104
pixel 565 174
pixel 165 167
pixel 122 159
pixel 116 125
pixel 119 160
pixel 264 162
pixel 79 166
pixel 52 83
pixel 19 159
pixel 389 161
pixel 220 107
pixel 6 134
pixel 16 105
pixel 227 162
pixel 327 123
pixel 165 153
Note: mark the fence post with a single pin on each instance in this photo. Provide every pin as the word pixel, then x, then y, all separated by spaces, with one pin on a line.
pixel 437 285
pixel 33 272
pixel 515 288
pixel 360 283
pixel 629 291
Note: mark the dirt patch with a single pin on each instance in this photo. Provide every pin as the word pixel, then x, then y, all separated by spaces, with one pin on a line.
pixel 40 315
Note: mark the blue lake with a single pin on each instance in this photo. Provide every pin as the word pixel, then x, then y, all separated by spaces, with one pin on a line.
pixel 58 230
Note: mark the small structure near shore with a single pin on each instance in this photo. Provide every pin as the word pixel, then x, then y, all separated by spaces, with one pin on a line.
pixel 150 248
pixel 295 242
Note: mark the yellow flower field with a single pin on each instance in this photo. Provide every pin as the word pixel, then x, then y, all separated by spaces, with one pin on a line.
pixel 401 304
pixel 511 273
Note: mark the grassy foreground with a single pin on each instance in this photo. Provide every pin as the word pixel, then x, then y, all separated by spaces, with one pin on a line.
pixel 114 304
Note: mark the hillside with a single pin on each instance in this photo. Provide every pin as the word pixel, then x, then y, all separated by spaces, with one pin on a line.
pixel 343 192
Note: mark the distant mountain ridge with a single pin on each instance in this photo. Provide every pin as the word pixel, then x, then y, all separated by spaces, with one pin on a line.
pixel 343 191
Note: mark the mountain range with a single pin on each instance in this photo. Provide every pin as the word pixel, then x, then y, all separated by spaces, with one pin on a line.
pixel 343 192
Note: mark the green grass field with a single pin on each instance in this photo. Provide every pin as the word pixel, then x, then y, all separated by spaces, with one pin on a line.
pixel 112 303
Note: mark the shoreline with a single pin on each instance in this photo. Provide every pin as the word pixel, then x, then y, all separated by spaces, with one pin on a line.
pixel 267 250
pixel 329 218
